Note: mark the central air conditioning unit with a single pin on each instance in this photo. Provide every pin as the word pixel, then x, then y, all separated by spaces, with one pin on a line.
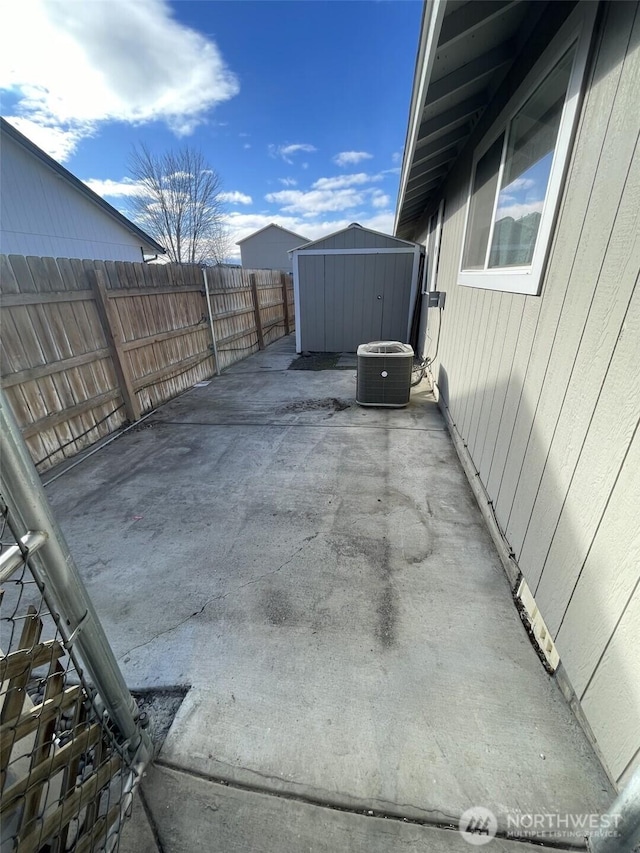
pixel 384 374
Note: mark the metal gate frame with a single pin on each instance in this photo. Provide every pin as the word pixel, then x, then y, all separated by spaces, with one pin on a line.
pixel 72 744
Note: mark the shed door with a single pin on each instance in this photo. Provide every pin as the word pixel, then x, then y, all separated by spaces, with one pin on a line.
pixel 347 300
pixel 353 301
pixel 396 272
pixel 366 298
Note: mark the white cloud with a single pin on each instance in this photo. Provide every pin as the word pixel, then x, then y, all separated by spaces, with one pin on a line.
pixel 59 141
pixel 380 200
pixel 396 157
pixel 312 202
pixel 341 181
pixel 287 152
pixel 236 197
pixel 288 182
pixel 350 158
pixel 110 64
pixel 243 224
pixel 246 146
pixel 127 188
pixel 520 184
pixel 340 192
pixel 115 189
pixel 518 211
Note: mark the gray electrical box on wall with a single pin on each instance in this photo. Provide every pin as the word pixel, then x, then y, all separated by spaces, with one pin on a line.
pixel 436 299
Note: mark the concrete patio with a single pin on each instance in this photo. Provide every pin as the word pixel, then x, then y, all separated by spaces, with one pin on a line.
pixel 320 577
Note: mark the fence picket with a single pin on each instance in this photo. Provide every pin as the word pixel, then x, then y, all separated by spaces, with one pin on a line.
pixel 72 350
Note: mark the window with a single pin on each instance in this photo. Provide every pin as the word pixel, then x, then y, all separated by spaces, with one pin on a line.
pixel 518 169
pixel 433 249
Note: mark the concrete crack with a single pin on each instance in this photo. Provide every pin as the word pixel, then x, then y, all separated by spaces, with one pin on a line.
pixel 220 597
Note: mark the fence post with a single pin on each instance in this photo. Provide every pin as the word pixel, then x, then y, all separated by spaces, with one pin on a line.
pixel 285 302
pixel 106 312
pixel 256 308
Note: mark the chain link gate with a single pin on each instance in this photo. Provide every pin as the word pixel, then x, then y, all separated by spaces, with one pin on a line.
pixel 72 746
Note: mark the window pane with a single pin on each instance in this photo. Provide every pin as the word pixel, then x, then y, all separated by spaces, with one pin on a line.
pixel 532 141
pixel 485 185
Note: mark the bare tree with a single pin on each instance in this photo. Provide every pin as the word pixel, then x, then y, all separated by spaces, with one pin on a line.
pixel 179 204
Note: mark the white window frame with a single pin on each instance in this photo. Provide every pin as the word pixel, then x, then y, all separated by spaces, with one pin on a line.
pixel 434 236
pixel 577 30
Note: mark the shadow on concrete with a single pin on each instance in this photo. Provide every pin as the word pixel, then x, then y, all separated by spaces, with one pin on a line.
pixel 324 583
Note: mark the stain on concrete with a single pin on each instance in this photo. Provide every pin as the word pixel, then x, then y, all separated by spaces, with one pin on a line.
pixel 387 612
pixel 328 404
pixel 387 606
pixel 94 569
pixel 316 361
pixel 277 607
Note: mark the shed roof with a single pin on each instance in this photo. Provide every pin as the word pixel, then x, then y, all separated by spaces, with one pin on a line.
pixel 360 238
pixel 273 225
pixel 78 185
pixel 465 51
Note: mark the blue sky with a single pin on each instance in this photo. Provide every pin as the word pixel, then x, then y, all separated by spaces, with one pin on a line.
pixel 300 106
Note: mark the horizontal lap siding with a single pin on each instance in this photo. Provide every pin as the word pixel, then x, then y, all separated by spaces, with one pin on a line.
pixel 48 216
pixel 545 393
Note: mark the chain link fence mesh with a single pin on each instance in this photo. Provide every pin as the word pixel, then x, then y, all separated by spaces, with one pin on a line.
pixel 67 777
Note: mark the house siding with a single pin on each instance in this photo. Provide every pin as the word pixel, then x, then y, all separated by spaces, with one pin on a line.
pixel 269 250
pixel 41 214
pixel 545 393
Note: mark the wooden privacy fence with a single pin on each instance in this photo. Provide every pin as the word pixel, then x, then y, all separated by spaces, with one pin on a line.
pixel 87 346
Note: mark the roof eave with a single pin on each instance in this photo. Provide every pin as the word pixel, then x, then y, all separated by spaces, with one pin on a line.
pixel 465 52
pixel 432 18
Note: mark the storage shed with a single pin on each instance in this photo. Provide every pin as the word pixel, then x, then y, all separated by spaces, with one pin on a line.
pixel 354 286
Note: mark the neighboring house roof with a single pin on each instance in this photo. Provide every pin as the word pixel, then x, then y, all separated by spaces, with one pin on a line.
pixel 77 184
pixel 464 53
pixel 353 225
pixel 273 225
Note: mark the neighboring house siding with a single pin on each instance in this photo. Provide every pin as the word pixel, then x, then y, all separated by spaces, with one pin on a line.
pixel 545 392
pixel 41 214
pixel 269 250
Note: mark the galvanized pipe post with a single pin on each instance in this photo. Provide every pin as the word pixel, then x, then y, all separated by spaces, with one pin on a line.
pixel 620 826
pixel 213 332
pixel 56 572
